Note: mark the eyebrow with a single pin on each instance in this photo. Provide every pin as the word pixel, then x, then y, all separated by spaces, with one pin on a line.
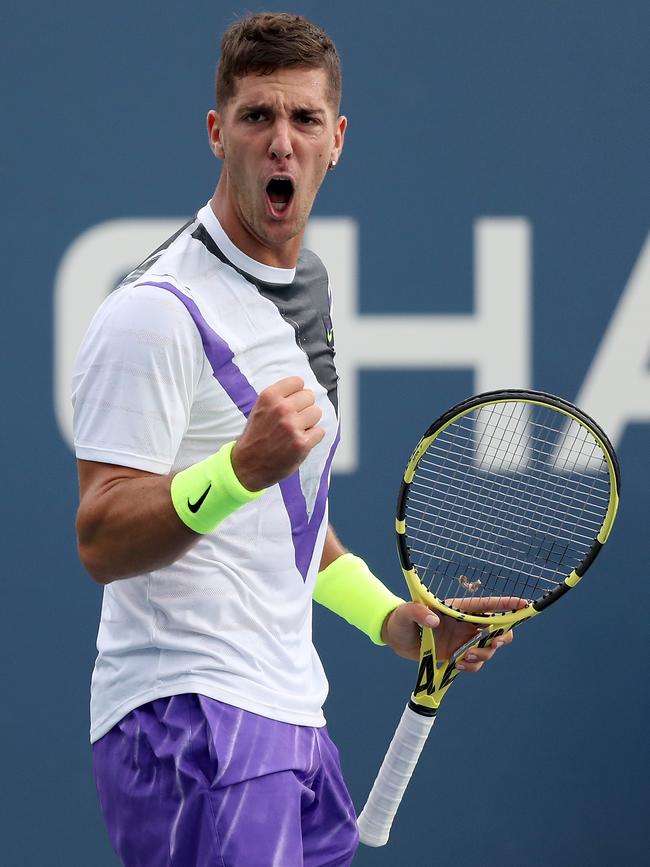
pixel 307 109
pixel 298 109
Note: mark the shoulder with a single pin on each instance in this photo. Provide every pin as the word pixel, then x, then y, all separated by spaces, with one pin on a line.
pixel 311 264
pixel 312 275
pixel 154 301
pixel 144 320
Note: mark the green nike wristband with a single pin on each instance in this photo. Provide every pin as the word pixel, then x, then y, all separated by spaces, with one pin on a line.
pixel 348 588
pixel 206 493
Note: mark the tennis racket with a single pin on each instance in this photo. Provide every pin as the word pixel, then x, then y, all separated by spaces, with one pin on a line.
pixel 506 501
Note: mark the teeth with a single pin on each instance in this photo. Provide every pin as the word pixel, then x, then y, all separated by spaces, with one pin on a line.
pixel 276 199
pixel 280 178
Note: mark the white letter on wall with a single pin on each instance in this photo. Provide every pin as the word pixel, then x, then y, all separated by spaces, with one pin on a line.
pixel 616 389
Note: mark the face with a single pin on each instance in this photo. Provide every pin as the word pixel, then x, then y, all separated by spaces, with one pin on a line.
pixel 276 136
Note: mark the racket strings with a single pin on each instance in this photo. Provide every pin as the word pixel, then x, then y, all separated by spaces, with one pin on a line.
pixel 495 538
pixel 518 449
pixel 525 508
pixel 506 501
pixel 515 453
pixel 541 464
pixel 515 446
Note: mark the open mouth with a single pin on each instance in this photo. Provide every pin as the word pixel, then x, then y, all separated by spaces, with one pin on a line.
pixel 280 192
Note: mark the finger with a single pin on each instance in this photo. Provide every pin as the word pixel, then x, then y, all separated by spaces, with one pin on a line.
pixel 309 417
pixel 300 400
pixel 474 658
pixel 500 640
pixel 416 612
pixel 487 604
pixel 466 665
pixel 478 654
pixel 313 436
pixel 504 639
pixel 287 386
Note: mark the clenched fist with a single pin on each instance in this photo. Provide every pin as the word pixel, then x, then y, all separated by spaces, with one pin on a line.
pixel 280 433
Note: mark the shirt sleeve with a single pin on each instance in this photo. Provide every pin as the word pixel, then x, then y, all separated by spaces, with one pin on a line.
pixel 134 380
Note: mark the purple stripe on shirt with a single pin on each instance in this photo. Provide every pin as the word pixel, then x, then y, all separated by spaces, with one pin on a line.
pixel 219 354
pixel 304 530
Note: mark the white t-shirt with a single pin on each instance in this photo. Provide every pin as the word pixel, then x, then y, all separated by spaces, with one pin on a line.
pixel 167 373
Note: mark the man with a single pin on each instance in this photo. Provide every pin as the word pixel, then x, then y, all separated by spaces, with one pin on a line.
pixel 205 426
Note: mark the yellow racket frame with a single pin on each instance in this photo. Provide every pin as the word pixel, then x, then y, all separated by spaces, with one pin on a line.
pixel 436 676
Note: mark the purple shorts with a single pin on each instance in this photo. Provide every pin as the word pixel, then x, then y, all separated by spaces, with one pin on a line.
pixel 192 782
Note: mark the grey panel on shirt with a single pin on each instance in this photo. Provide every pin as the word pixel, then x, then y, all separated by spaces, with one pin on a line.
pixel 304 304
pixel 152 258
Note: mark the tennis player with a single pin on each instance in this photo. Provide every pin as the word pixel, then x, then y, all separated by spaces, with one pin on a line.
pixel 206 420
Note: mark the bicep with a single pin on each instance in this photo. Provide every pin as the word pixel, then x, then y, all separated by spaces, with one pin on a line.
pixel 126 523
pixel 96 483
pixel 96 478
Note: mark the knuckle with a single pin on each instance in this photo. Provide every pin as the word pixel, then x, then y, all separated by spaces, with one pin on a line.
pixel 266 397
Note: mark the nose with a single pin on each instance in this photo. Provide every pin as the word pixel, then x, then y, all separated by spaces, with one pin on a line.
pixel 280 147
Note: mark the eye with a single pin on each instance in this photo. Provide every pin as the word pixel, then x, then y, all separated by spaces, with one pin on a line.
pixel 256 116
pixel 307 119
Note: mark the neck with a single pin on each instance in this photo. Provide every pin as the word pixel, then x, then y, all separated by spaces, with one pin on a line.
pixel 283 255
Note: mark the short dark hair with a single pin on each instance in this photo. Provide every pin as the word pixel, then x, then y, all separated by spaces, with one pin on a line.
pixel 267 41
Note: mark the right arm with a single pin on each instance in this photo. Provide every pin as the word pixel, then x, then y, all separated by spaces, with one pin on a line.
pixel 127 523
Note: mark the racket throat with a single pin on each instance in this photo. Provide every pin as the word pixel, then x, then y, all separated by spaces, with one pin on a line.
pixel 433 679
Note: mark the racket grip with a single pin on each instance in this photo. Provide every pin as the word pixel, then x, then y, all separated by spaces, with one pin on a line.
pixel 377 816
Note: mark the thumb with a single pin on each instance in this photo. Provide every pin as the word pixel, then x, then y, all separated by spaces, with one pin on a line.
pixel 418 613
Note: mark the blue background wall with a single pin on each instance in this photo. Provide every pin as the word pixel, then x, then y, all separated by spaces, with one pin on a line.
pixel 457 111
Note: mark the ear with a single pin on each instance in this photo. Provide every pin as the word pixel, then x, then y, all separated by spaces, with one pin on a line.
pixel 214 134
pixel 339 135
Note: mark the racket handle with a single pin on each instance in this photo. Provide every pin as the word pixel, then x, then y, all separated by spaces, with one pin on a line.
pixel 377 816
